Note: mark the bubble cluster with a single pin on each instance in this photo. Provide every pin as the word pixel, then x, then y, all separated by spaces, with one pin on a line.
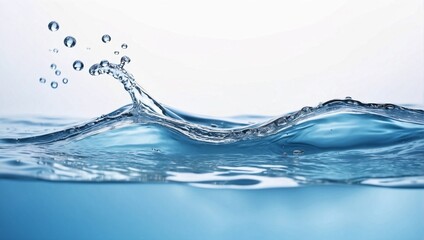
pixel 70 41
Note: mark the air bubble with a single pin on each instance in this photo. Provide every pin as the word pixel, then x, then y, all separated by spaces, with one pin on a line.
pixel 78 65
pixel 53 66
pixel 297 152
pixel 106 38
pixel 53 26
pixel 124 46
pixel 116 52
pixel 42 80
pixel 70 41
pixel 54 85
pixel 65 80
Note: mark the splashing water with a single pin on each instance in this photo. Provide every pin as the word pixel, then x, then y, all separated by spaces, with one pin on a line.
pixel 337 142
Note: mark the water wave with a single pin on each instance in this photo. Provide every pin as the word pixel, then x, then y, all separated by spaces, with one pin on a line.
pixel 340 141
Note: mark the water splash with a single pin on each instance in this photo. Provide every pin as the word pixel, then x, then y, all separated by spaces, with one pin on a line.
pixel 337 142
pixel 341 141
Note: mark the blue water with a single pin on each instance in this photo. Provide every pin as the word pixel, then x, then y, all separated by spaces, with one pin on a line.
pixel 301 167
pixel 343 169
pixel 337 142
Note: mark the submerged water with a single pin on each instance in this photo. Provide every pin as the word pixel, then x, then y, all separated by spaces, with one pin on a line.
pixel 339 141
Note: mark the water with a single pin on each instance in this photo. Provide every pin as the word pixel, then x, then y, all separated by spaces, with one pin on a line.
pixel 338 142
pixel 53 26
pixel 106 38
pixel 78 65
pixel 54 84
pixel 70 41
pixel 341 169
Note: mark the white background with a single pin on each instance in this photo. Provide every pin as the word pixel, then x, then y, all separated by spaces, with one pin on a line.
pixel 218 58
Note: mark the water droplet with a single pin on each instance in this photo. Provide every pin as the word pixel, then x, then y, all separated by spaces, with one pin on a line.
pixel 53 26
pixel 70 41
pixel 55 50
pixel 116 52
pixel 53 66
pixel 54 85
pixel 106 38
pixel 348 98
pixel 88 48
pixel 104 63
pixel 124 60
pixel 57 72
pixel 42 80
pixel 65 80
pixel 124 46
pixel 78 65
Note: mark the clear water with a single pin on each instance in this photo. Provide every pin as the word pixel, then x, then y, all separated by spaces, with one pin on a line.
pixel 106 38
pixel 311 169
